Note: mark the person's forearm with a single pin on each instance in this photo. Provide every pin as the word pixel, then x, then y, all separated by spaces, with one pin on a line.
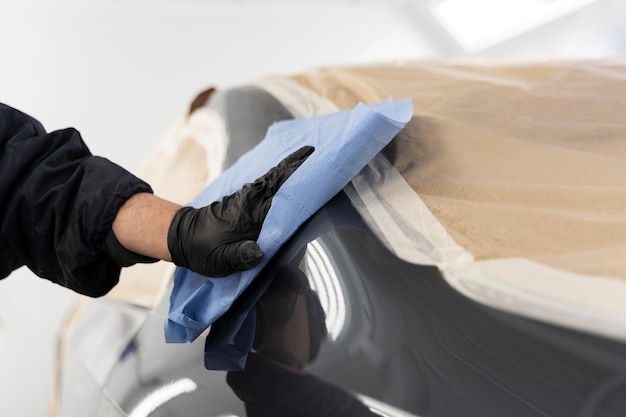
pixel 215 240
pixel 142 224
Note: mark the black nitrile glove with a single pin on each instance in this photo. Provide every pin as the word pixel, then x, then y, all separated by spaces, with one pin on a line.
pixel 219 239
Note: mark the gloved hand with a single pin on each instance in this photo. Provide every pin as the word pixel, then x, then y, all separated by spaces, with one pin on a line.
pixel 219 239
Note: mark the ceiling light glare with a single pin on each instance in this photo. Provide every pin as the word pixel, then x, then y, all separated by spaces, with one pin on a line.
pixel 480 24
pixel 325 282
pixel 162 395
pixel 383 409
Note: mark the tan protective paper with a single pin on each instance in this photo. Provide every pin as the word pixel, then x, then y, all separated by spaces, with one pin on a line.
pixel 515 161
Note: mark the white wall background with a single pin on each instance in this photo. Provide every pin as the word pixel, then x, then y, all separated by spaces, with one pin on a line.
pixel 121 71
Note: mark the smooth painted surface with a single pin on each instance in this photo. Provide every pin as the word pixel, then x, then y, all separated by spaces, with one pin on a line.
pixel 345 321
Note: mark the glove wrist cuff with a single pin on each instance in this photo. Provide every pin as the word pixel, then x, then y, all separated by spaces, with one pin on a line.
pixel 122 256
pixel 174 242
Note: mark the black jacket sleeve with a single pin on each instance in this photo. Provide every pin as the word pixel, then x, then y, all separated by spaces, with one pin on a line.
pixel 57 205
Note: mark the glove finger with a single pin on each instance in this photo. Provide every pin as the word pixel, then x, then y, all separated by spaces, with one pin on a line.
pixel 246 209
pixel 276 176
pixel 252 196
pixel 274 179
pixel 298 156
pixel 236 256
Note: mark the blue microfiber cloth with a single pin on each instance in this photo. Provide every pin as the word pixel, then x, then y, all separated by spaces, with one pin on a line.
pixel 344 143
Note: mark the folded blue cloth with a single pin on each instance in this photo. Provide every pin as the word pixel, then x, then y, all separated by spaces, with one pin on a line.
pixel 344 143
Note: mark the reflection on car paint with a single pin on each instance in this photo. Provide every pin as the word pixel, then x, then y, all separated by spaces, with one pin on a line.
pixel 323 279
pixel 409 341
pixel 161 395
pixel 347 328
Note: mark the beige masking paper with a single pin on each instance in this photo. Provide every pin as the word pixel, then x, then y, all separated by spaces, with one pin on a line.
pixel 513 160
